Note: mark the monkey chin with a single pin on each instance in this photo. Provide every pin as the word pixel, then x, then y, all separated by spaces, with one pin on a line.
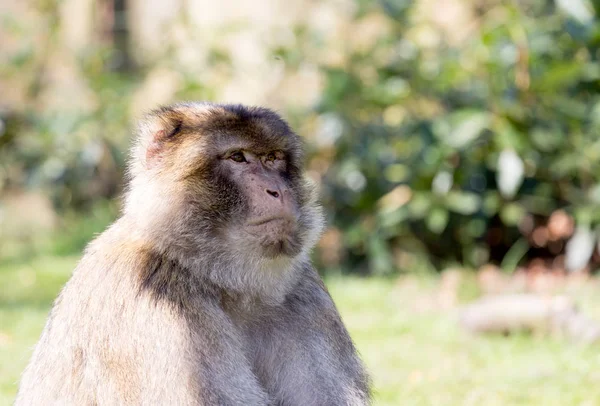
pixel 280 247
pixel 276 238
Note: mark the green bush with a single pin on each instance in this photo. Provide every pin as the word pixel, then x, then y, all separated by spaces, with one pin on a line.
pixel 442 152
pixel 443 136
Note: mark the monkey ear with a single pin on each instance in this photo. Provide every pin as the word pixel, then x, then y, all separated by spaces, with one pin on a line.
pixel 166 126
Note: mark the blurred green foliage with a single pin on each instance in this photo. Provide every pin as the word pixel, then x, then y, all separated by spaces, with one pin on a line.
pixel 523 84
pixel 432 148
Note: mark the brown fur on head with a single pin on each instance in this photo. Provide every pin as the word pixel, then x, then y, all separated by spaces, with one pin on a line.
pixel 210 213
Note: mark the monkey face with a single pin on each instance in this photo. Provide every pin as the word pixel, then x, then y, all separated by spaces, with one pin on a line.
pixel 270 218
pixel 224 176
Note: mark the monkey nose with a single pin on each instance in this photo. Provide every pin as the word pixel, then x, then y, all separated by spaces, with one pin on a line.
pixel 273 193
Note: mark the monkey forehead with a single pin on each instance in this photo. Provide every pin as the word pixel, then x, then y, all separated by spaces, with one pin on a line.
pixel 256 127
pixel 259 128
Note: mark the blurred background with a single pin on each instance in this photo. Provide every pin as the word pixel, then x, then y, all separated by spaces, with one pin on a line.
pixel 455 143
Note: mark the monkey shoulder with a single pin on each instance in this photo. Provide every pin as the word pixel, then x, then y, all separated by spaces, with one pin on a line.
pixel 310 293
pixel 118 279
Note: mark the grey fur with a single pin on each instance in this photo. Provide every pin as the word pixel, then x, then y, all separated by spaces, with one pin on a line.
pixel 164 310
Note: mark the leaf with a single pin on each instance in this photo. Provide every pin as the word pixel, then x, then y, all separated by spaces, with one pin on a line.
pixel 516 252
pixel 442 182
pixel 397 173
pixel 463 202
pixel 395 199
pixel 491 203
pixel 512 214
pixel 419 205
pixel 579 249
pixel 437 220
pixel 463 127
pixel 578 9
pixel 510 173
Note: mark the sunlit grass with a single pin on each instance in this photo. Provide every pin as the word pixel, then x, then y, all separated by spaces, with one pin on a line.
pixel 27 291
pixel 414 358
pixel 424 359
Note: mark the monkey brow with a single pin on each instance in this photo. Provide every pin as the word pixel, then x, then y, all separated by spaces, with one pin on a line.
pixel 258 146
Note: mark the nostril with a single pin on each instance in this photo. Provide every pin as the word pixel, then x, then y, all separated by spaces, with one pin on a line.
pixel 273 193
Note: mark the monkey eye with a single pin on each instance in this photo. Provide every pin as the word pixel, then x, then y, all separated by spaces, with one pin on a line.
pixel 238 157
pixel 275 156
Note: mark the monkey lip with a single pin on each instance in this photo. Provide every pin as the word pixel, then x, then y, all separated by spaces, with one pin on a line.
pixel 264 220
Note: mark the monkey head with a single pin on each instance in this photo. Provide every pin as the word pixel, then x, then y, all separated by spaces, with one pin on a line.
pixel 222 185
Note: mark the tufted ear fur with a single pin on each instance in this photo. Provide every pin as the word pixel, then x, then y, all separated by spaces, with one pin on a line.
pixel 165 126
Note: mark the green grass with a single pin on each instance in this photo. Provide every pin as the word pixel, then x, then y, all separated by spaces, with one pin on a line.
pixel 425 359
pixel 27 291
pixel 415 358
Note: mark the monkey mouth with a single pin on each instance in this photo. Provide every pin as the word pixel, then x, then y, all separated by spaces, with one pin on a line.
pixel 269 219
pixel 272 228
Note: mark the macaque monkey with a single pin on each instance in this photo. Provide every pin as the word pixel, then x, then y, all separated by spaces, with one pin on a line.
pixel 202 292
